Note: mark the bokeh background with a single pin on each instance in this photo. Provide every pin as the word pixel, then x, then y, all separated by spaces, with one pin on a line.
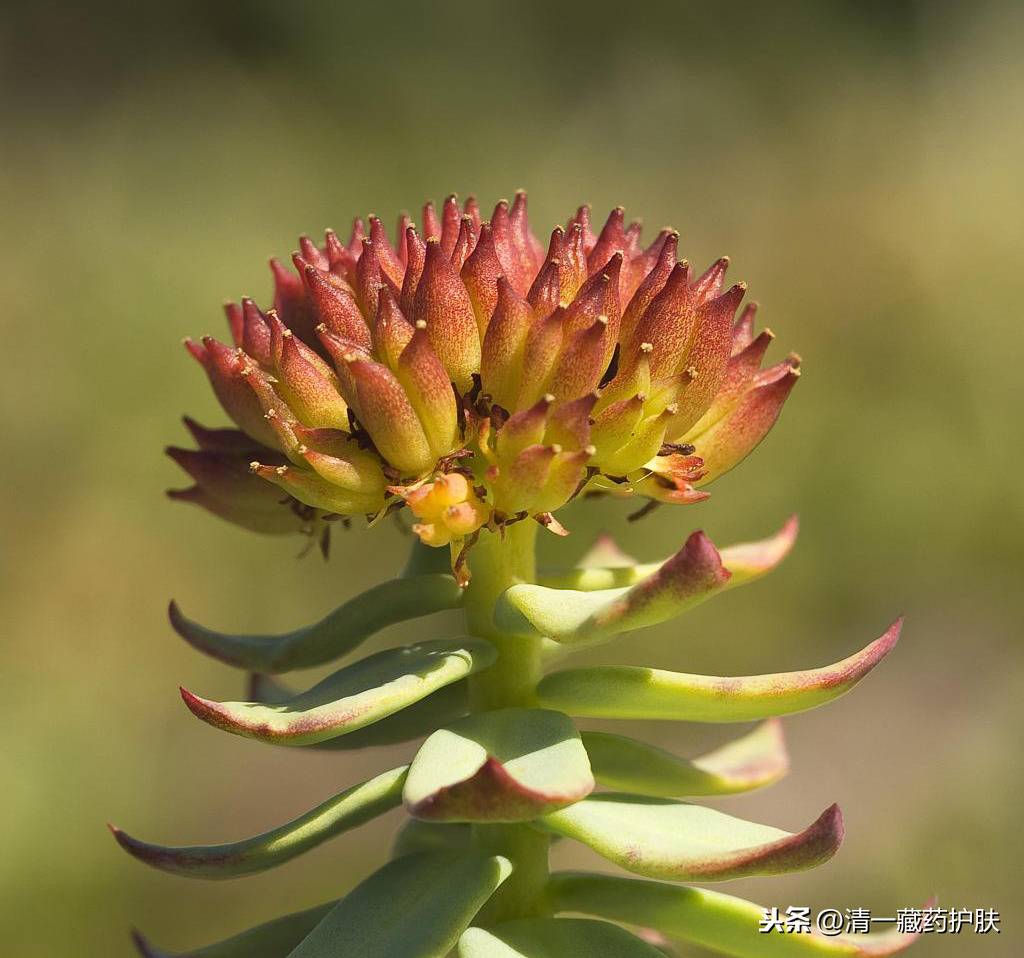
pixel 861 163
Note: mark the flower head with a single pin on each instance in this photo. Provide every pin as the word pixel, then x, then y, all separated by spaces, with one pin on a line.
pixel 480 377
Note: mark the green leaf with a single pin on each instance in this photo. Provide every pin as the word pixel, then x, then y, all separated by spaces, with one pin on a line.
pixel 630 692
pixel 415 836
pixel 417 721
pixel 751 761
pixel 353 697
pixel 554 938
pixel 693 574
pixel 339 814
pixel 658 838
pixel 413 907
pixel 337 634
pixel 706 918
pixel 746 561
pixel 274 939
pixel 503 766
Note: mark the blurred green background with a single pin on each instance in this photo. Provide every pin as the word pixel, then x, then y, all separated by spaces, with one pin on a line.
pixel 860 162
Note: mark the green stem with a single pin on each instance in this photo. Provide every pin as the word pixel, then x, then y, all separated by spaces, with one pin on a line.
pixel 497 562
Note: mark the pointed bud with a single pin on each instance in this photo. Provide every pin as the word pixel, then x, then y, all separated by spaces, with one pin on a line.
pixel 529 252
pixel 464 245
pixel 732 438
pixel 388 259
pixel 335 307
pixel 598 296
pixel 582 361
pixel 431 224
pixel 416 252
pixel 233 312
pixel 224 367
pixel 643 446
pixel 582 219
pixel 357 471
pixel 545 293
pixel 743 331
pixel 543 344
pixel 709 284
pixel 739 377
pixel 279 520
pixel 401 243
pixel 312 395
pixel 369 280
pixel 387 415
pixel 504 247
pixel 569 424
pixel 226 478
pixel 519 485
pixel 429 389
pixel 480 276
pixel 356 236
pixel 613 427
pixel 311 253
pixel 311 488
pixel 574 263
pixel 611 241
pixel 290 300
pixel 451 220
pixel 472 210
pixel 525 428
pixel 342 262
pixel 652 284
pixel 707 358
pixel 255 333
pixel 504 343
pixel 444 305
pixel 391 330
pixel 568 470
pixel 668 324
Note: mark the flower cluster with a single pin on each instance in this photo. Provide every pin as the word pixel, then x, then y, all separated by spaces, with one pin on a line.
pixel 470 350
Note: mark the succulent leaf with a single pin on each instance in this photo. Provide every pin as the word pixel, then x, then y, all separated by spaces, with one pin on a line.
pixel 752 761
pixel 554 938
pixel 632 692
pixel 353 697
pixel 676 841
pixel 337 634
pixel 416 906
pixel 345 811
pixel 273 939
pixel 438 709
pixel 706 918
pixel 693 574
pixel 746 561
pixel 501 766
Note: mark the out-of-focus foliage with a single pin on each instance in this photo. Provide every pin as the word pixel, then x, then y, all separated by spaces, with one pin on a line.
pixel 859 162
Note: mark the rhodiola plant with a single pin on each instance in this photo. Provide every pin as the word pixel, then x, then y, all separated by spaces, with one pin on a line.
pixel 475 379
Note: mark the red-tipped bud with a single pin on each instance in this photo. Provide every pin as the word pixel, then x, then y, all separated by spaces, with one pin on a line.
pixel 525 428
pixel 233 313
pixel 543 344
pixel 342 262
pixel 649 287
pixel 224 368
pixel 732 438
pixel 582 361
pixel 256 337
pixel 464 245
pixel 311 394
pixel 335 307
pixel 389 418
pixel 504 344
pixel 431 224
pixel 451 218
pixel 444 305
pixel 416 253
pixel 743 331
pixel 611 241
pixel 290 299
pixel 545 293
pixel 391 330
pixel 314 490
pixel 390 264
pixel 569 424
pixel 369 280
pixel 430 391
pixel 480 275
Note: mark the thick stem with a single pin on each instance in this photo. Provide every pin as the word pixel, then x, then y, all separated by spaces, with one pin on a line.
pixel 497 562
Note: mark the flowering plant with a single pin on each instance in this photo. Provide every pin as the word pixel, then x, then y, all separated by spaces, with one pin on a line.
pixel 481 381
